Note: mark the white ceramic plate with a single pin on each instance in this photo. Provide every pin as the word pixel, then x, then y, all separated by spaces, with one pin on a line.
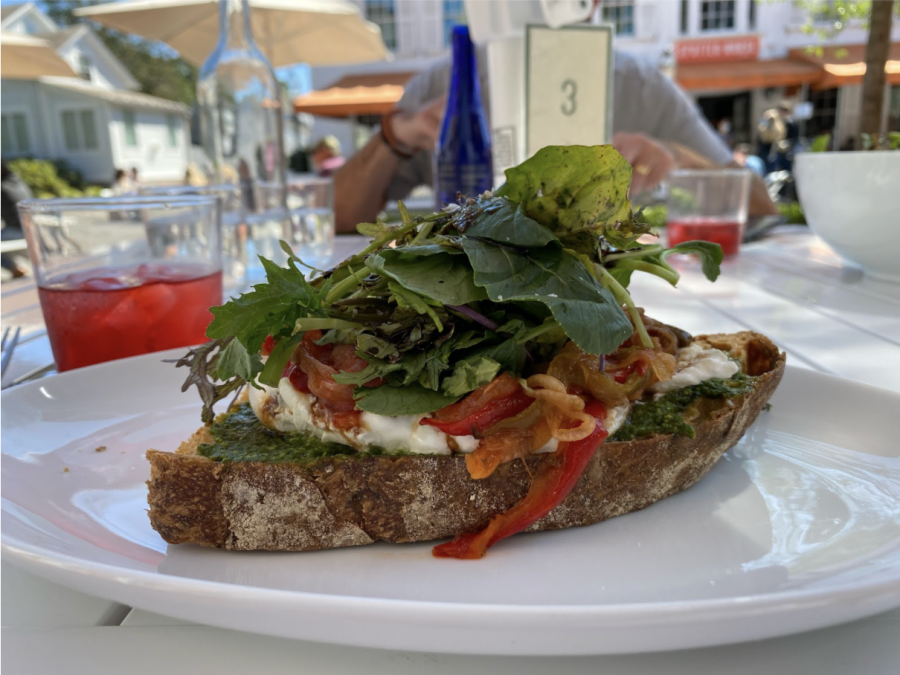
pixel 798 527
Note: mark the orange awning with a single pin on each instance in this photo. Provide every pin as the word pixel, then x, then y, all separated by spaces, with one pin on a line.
pixel 352 95
pixel 843 65
pixel 746 74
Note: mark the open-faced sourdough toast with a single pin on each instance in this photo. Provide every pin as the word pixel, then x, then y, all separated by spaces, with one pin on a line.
pixel 359 499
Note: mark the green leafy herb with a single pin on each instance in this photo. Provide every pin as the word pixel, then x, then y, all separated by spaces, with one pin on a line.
pixel 203 364
pixel 571 188
pixel 271 308
pixel 442 276
pixel 711 256
pixel 587 312
pixel 507 224
pixel 469 374
pixel 413 399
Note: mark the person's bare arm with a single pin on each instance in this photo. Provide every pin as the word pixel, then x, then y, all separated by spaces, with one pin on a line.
pixel 652 160
pixel 360 186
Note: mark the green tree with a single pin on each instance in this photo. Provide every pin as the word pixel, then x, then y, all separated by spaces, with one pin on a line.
pixel 827 18
pixel 157 73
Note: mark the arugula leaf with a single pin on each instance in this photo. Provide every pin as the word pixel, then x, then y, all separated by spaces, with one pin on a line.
pixel 376 230
pixel 436 360
pixel 236 361
pixel 510 225
pixel 371 345
pixel 270 309
pixel 469 374
pixel 570 188
pixel 278 359
pixel 202 362
pixel 509 354
pixel 413 399
pixel 443 276
pixel 407 298
pixel 711 256
pixel 587 312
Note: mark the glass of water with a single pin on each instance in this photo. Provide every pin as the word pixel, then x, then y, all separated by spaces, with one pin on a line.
pixel 234 228
pixel 310 202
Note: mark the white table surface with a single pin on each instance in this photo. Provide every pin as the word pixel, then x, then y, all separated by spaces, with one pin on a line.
pixel 822 311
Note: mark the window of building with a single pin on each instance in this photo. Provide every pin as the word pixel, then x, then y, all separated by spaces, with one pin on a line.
pixel 717 15
pixel 79 129
pixel 620 13
pixel 84 67
pixel 88 129
pixel 70 130
pixel 685 13
pixel 5 137
pixel 824 116
pixel 384 14
pixel 454 15
pixel 15 134
pixel 172 124
pixel 751 15
pixel 130 128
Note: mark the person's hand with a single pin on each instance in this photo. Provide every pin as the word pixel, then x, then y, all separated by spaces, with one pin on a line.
pixel 650 159
pixel 419 130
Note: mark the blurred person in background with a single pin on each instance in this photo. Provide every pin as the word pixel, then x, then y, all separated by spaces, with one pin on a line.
pixel 743 155
pixel 122 183
pixel 656 126
pixel 326 156
pixel 724 130
pixel 14 190
pixel 135 180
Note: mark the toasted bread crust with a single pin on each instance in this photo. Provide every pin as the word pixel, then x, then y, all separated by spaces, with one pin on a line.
pixel 337 502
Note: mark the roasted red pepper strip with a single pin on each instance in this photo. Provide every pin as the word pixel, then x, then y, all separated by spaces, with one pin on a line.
pixel 478 422
pixel 552 483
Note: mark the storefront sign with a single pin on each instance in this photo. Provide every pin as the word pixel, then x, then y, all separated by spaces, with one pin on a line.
pixel 718 49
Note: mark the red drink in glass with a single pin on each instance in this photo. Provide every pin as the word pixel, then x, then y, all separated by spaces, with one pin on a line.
pixel 113 312
pixel 726 233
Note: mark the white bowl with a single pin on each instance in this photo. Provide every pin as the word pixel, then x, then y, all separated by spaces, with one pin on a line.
pixel 852 201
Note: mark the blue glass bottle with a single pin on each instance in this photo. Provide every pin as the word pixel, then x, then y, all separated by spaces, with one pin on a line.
pixel 462 159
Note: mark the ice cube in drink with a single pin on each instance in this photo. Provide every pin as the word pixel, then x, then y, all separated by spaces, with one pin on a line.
pixel 114 312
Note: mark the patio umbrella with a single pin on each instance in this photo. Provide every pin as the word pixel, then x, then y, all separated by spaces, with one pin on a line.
pixel 23 57
pixel 317 32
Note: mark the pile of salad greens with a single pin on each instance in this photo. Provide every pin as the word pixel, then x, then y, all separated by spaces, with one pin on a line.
pixel 440 305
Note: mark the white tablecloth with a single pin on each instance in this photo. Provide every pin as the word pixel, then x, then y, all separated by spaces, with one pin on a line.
pixel 825 313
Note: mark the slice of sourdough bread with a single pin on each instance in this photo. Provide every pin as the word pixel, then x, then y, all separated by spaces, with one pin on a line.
pixel 359 499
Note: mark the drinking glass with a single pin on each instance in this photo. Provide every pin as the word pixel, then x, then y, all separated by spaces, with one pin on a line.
pixel 124 276
pixel 708 205
pixel 310 201
pixel 268 223
pixel 234 228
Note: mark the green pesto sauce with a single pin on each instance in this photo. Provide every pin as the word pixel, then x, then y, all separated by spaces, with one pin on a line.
pixel 241 437
pixel 666 415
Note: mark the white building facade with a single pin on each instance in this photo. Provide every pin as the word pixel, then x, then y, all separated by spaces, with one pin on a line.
pixel 417 33
pixel 96 122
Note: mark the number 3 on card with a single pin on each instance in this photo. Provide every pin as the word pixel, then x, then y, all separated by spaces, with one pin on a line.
pixel 570 88
pixel 560 108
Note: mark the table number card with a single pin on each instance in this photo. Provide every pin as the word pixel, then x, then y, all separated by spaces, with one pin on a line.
pixel 568 80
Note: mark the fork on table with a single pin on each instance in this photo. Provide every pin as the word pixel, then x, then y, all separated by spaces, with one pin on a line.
pixel 11 340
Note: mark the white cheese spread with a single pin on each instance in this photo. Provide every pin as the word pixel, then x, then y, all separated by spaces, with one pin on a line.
pixel 696 364
pixel 292 412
